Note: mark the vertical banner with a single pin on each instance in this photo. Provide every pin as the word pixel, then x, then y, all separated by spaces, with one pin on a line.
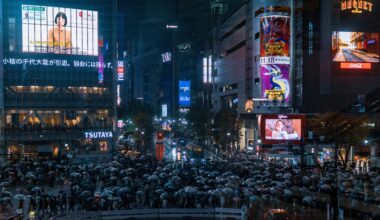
pixel 275 82
pixel 275 58
pixel 184 94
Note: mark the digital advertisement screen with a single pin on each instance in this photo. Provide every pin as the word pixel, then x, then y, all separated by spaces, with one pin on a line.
pixel 275 82
pixel 57 30
pixel 277 129
pixel 184 94
pixel 355 47
pixel 283 129
pixel 275 39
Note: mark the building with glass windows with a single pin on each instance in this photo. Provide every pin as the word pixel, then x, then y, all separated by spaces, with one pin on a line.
pixel 281 57
pixel 57 76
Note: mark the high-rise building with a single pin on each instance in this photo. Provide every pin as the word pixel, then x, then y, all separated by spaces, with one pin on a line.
pixel 294 56
pixel 57 76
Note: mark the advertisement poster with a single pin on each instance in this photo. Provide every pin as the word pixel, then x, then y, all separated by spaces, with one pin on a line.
pixel 275 36
pixel 355 47
pixel 283 129
pixel 59 30
pixel 184 93
pixel 275 84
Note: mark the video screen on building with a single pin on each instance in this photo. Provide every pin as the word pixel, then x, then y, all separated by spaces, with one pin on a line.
pixel 355 47
pixel 59 30
pixel 282 128
pixel 275 84
pixel 184 94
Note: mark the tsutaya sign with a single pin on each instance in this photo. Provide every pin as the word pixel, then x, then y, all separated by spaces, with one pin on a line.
pixel 356 6
pixel 98 134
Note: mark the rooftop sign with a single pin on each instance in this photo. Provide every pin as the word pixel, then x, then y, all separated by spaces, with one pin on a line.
pixel 356 6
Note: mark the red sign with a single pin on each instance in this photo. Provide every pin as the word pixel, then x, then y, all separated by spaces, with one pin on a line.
pixel 160 135
pixel 160 152
pixel 363 66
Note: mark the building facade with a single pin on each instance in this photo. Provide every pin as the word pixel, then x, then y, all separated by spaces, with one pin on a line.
pixel 57 76
pixel 281 57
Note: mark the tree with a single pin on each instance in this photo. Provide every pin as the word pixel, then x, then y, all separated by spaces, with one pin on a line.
pixel 142 116
pixel 200 120
pixel 344 130
pixel 226 123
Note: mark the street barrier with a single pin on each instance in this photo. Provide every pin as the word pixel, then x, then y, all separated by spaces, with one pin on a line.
pixel 217 213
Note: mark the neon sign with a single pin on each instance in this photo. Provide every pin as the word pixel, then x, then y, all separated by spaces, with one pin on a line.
pixel 356 6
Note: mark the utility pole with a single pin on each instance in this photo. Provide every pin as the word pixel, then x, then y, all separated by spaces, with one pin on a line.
pixel 335 193
pixel 174 64
pixel 114 73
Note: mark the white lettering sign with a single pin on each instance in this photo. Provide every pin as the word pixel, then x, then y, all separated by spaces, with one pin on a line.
pixel 57 63
pixel 98 134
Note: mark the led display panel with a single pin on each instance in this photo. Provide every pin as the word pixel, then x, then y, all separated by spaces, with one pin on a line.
pixel 59 30
pixel 355 47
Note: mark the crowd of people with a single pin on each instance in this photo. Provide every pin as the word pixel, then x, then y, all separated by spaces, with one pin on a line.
pixel 50 188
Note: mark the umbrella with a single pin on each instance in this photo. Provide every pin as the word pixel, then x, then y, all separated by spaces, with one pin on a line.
pixel 85 194
pixel 4 184
pixel 326 188
pixel 3 199
pixel 163 175
pixel 123 190
pixel 140 193
pixel 160 191
pixel 152 177
pixel 19 197
pixel 216 192
pixel 75 175
pixel 190 190
pixel 164 195
pixel 288 193
pixel 308 200
pixel 30 175
pixel 227 191
pixel 6 194
pixel 168 185
pixel 253 198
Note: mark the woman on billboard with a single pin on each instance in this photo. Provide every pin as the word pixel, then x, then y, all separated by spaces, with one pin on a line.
pixel 278 133
pixel 59 38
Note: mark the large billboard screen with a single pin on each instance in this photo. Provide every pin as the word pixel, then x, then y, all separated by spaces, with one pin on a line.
pixel 184 94
pixel 275 82
pixel 275 39
pixel 355 47
pixel 282 128
pixel 58 30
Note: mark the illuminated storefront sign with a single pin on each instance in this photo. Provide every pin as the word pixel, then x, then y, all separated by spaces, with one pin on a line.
pixel 120 123
pixel 166 57
pixel 98 134
pixel 118 95
pixel 164 110
pixel 120 70
pixel 363 66
pixel 356 6
pixel 248 106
